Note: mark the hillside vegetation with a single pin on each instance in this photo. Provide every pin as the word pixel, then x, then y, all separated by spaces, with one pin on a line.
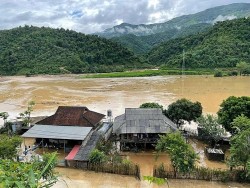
pixel 224 45
pixel 143 44
pixel 33 50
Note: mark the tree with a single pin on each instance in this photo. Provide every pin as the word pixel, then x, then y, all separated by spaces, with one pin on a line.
pixel 8 146
pixel 209 128
pixel 182 155
pixel 26 114
pixel 241 123
pixel 231 108
pixel 240 150
pixel 151 105
pixel 183 109
pixel 97 157
pixel 242 66
pixel 37 174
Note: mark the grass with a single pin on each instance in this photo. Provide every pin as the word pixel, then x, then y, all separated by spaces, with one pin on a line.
pixel 147 73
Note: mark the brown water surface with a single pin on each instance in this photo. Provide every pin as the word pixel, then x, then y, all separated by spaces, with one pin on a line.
pixel 116 93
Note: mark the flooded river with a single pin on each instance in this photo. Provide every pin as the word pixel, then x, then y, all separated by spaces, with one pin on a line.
pixel 117 94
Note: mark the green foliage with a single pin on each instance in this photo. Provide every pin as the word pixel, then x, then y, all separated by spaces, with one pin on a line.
pixel 240 150
pixel 146 73
pixel 242 67
pixel 8 146
pixel 26 114
pixel 32 50
pixel 241 123
pixel 181 154
pixel 143 44
pixel 218 73
pixel 97 157
pixel 223 45
pixel 151 105
pixel 105 146
pixel 29 175
pixel 183 109
pixel 158 181
pixel 231 108
pixel 210 128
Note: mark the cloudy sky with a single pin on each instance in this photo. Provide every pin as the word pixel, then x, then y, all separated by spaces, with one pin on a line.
pixel 90 16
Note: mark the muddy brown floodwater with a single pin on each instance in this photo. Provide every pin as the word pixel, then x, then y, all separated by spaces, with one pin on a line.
pixel 117 94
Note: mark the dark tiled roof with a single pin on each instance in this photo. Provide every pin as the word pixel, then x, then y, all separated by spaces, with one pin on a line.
pixel 73 116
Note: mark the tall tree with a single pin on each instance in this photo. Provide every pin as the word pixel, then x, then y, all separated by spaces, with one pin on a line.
pixel 231 108
pixel 182 154
pixel 183 109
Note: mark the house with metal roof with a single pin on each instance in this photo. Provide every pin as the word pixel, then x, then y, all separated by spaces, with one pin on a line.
pixel 141 127
pixel 72 128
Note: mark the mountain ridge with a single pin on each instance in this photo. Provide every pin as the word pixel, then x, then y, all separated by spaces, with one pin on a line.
pixel 211 15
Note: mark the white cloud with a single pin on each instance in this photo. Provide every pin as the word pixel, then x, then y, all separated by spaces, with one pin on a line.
pixel 90 16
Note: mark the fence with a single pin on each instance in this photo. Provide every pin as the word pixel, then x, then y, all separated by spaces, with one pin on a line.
pixel 123 169
pixel 200 173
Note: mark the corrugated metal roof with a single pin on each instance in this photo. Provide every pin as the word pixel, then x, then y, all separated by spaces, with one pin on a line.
pixel 143 120
pixel 57 132
pixel 85 150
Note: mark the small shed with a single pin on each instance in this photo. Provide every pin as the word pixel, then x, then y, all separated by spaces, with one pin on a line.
pixel 214 154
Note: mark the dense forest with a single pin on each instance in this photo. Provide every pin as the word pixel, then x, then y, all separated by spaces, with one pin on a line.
pixel 224 45
pixel 143 44
pixel 33 50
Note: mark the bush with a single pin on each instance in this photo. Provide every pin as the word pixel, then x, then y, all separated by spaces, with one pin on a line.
pixel 218 74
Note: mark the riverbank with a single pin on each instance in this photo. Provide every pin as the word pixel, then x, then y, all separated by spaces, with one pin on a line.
pixel 147 73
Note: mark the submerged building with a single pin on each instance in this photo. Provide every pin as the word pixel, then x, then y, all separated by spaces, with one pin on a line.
pixel 139 127
pixel 75 129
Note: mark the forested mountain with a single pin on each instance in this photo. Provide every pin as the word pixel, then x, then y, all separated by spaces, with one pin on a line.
pixel 142 38
pixel 223 45
pixel 209 16
pixel 33 50
pixel 143 44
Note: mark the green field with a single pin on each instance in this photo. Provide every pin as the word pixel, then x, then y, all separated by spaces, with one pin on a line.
pixel 147 73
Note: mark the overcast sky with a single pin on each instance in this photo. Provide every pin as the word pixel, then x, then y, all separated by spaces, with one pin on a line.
pixel 90 16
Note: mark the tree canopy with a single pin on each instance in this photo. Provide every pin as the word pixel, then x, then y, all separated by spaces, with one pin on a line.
pixel 34 50
pixel 182 154
pixel 223 45
pixel 151 105
pixel 8 146
pixel 209 128
pixel 231 108
pixel 183 109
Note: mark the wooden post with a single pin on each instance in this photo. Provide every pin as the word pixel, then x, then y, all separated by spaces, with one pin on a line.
pixel 64 146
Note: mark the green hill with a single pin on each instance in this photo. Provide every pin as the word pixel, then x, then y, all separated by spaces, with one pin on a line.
pixel 33 50
pixel 223 45
pixel 143 44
